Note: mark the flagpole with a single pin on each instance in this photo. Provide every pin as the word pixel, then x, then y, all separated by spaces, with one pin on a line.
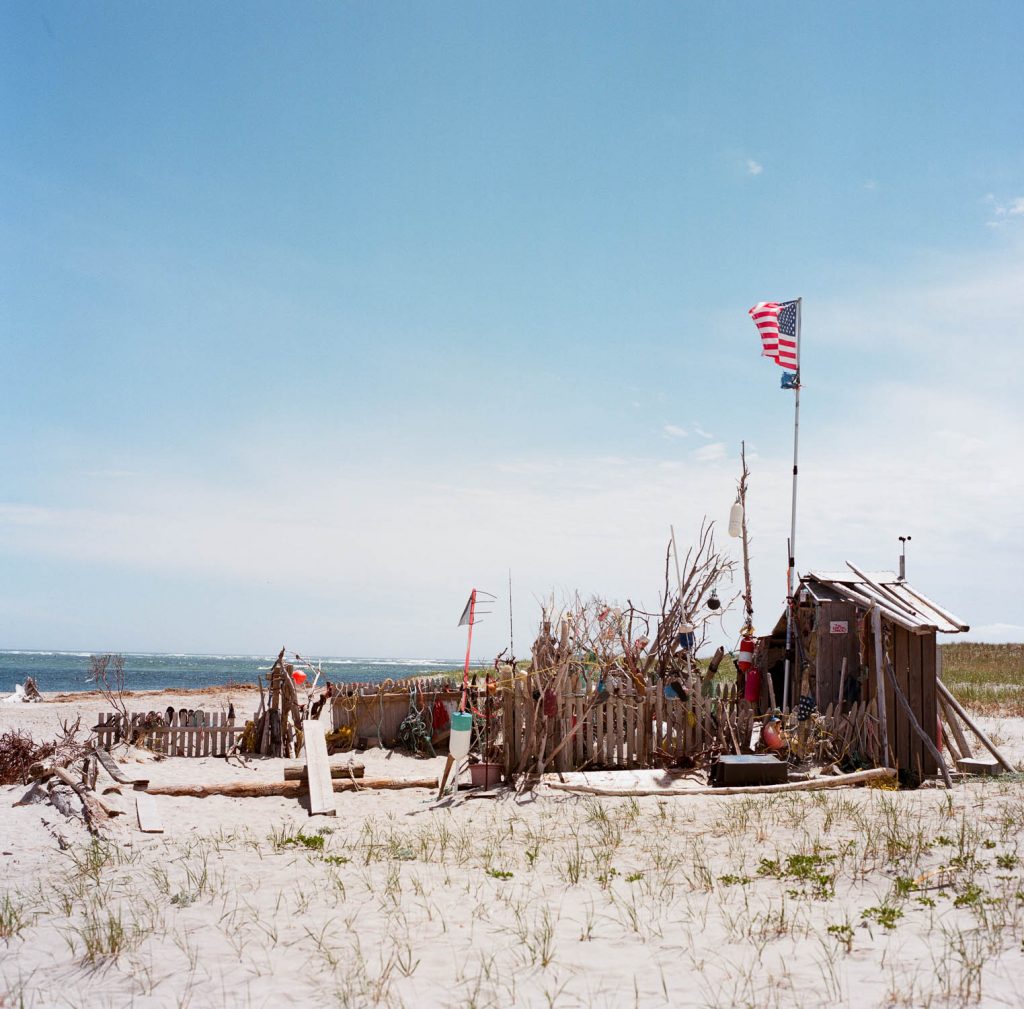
pixel 792 521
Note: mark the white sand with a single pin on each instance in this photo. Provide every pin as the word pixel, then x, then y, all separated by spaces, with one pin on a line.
pixel 609 903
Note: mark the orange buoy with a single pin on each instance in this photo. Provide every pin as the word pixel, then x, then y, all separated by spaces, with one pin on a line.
pixel 772 736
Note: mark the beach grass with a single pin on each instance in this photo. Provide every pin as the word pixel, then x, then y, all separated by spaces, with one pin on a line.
pixel 988 679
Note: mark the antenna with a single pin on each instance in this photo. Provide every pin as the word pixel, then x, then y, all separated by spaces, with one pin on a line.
pixel 904 540
pixel 511 639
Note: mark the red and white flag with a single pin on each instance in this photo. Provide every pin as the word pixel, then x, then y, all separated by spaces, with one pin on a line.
pixel 778 323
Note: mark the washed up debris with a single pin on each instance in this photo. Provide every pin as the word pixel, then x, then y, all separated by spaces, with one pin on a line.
pixel 24 693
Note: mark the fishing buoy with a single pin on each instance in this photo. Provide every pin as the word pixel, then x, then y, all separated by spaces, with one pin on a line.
pixel 299 677
pixel 736 520
pixel 746 656
pixel 771 735
pixel 687 639
pixel 462 729
pixel 752 686
pixel 458 744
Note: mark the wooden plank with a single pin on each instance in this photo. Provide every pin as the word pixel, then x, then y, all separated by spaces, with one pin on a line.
pixel 149 818
pixel 318 769
pixel 929 700
pixel 579 743
pixel 823 658
pixel 917 727
pixel 951 747
pixel 507 722
pixel 906 750
pixel 976 729
pixel 608 732
pixel 883 692
pixel 957 731
pixel 629 749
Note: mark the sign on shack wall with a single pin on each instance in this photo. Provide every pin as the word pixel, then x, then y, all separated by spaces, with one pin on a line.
pixel 839 627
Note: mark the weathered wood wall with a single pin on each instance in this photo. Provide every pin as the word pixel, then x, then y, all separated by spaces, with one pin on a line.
pixel 376 710
pixel 833 648
pixel 914 662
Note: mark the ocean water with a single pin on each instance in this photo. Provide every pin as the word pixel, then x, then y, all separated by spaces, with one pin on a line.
pixel 63 672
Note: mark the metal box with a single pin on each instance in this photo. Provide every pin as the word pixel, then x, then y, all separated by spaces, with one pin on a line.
pixel 748 769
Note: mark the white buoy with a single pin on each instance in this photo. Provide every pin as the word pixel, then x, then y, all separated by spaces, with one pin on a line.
pixel 736 520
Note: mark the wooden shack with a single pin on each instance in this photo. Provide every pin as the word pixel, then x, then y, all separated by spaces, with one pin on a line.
pixel 838 616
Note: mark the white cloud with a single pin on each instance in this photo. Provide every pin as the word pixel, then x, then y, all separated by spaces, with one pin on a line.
pixel 1002 210
pixel 376 559
pixel 871 185
pixel 754 167
pixel 710 453
pixel 674 431
pixel 992 633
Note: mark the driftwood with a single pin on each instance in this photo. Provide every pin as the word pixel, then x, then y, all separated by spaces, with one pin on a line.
pixel 257 789
pixel 97 809
pixel 838 781
pixel 114 769
pixel 985 741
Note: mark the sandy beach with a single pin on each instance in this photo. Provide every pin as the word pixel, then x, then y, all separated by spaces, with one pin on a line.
pixel 859 897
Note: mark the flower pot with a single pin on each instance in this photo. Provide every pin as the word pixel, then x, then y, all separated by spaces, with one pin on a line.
pixel 485 775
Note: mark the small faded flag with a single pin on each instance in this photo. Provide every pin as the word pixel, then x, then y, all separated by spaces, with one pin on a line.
pixel 469 612
pixel 776 321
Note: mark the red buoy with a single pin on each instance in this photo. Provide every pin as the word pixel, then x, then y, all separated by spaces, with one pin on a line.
pixel 745 659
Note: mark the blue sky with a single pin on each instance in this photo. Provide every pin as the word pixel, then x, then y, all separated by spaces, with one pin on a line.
pixel 316 315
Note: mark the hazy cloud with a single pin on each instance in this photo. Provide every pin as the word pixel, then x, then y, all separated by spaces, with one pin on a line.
pixel 674 431
pixel 754 167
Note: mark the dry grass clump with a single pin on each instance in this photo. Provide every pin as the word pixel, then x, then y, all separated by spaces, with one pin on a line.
pixel 986 678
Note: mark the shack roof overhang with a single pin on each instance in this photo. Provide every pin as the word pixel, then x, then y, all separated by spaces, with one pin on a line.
pixel 896 599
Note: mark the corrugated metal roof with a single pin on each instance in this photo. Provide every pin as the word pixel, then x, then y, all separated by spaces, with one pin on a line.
pixel 898 600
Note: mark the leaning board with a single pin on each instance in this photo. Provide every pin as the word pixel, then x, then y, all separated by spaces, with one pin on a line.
pixel 318 768
pixel 149 818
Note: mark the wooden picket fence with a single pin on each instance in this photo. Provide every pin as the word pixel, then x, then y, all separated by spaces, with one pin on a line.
pixel 650 730
pixel 201 734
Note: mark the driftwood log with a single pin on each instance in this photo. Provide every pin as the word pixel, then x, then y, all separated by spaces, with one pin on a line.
pixel 297 772
pixel 97 810
pixel 257 789
pixel 839 781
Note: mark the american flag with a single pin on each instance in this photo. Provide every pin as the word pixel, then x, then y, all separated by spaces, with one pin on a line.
pixel 776 321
